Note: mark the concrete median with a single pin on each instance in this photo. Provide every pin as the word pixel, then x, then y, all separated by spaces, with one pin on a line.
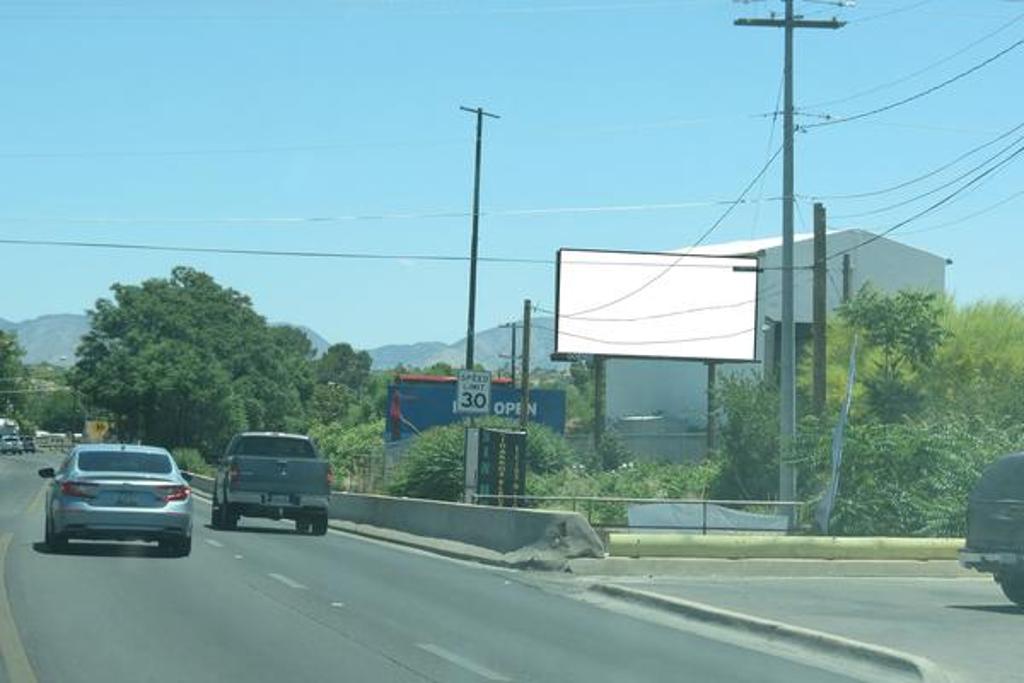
pixel 510 537
pixel 781 547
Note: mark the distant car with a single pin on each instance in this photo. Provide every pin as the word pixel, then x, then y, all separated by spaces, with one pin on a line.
pixel 275 476
pixel 10 443
pixel 119 492
pixel 995 526
pixel 28 444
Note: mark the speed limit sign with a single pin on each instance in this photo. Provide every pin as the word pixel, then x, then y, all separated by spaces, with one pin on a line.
pixel 473 396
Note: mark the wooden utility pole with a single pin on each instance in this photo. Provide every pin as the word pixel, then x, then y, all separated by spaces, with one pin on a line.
pixel 471 323
pixel 599 396
pixel 712 428
pixel 847 278
pixel 524 406
pixel 787 408
pixel 820 312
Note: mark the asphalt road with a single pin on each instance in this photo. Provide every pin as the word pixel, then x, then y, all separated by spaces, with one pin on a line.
pixel 265 604
pixel 965 625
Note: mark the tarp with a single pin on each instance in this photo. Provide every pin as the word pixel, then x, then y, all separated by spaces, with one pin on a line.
pixel 690 517
pixel 824 512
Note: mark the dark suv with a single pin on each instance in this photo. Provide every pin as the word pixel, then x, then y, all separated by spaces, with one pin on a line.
pixel 995 526
pixel 28 444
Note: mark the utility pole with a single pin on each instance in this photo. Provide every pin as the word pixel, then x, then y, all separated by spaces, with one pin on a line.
pixel 599 400
pixel 712 428
pixel 524 406
pixel 820 313
pixel 471 324
pixel 787 412
pixel 847 278
pixel 512 358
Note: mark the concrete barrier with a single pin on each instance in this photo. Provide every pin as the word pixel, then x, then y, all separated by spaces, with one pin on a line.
pixel 782 547
pixel 503 536
pixel 523 538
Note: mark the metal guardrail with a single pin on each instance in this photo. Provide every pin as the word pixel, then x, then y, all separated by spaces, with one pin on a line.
pixel 588 504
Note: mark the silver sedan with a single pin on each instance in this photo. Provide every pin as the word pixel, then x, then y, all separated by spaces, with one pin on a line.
pixel 119 492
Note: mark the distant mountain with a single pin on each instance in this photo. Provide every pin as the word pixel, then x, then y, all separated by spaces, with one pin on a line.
pixel 54 339
pixel 490 345
pixel 49 338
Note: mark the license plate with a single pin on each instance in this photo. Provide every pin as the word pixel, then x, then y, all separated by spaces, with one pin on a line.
pixel 279 498
pixel 126 500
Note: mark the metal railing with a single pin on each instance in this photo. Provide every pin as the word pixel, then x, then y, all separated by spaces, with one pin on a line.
pixel 600 507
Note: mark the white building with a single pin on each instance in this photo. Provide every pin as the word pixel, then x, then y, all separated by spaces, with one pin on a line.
pixel 662 405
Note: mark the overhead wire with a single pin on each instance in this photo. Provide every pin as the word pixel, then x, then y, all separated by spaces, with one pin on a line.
pixel 707 233
pixel 942 202
pixel 936 189
pixel 832 121
pixel 930 174
pixel 915 74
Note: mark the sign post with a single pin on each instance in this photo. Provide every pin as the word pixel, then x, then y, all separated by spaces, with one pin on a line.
pixel 473 395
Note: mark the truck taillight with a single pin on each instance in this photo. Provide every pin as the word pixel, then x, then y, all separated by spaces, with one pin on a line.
pixel 233 475
pixel 330 476
pixel 77 489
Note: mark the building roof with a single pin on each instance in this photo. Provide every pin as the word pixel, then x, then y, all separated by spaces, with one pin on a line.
pixel 753 247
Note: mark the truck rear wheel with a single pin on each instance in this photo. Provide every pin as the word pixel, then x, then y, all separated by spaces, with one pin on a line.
pixel 320 525
pixel 1013 587
pixel 302 525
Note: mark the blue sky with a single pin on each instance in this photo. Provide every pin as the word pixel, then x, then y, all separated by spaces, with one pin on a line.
pixel 206 123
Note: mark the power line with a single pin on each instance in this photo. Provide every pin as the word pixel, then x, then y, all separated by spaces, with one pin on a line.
pixel 707 233
pixel 915 74
pixel 918 95
pixel 963 219
pixel 364 256
pixel 920 178
pixel 934 190
pixel 648 342
pixel 378 217
pixel 945 200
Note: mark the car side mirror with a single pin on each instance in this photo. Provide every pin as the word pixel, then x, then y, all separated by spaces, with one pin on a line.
pixel 47 473
pixel 187 476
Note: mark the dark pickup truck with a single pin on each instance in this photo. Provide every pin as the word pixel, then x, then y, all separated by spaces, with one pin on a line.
pixel 995 526
pixel 274 476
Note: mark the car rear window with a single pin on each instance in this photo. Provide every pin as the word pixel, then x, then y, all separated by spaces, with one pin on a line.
pixel 124 461
pixel 272 447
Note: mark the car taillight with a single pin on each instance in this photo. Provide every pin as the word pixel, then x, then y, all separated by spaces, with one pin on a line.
pixel 77 489
pixel 233 475
pixel 171 493
pixel 330 476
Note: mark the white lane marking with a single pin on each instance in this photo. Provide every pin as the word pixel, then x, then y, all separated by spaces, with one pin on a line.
pixel 462 662
pixel 337 604
pixel 238 557
pixel 291 583
pixel 214 543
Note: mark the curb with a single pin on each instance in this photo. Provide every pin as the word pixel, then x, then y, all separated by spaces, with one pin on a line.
pixel 649 545
pixel 825 643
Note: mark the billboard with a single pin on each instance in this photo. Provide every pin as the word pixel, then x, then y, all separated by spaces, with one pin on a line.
pixel 417 406
pixel 656 305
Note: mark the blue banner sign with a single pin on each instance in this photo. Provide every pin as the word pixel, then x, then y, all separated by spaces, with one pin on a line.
pixel 416 406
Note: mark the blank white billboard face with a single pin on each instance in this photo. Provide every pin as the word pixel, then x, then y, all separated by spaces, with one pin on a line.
pixel 656 305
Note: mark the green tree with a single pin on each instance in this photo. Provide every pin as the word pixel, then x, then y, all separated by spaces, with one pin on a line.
pixel 185 361
pixel 906 330
pixel 749 439
pixel 343 365
pixel 12 376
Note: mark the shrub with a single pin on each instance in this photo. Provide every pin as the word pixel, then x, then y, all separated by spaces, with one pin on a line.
pixel 345 446
pixel 191 460
pixel 433 467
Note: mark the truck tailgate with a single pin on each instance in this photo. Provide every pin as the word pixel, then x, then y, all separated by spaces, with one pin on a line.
pixel 280 475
